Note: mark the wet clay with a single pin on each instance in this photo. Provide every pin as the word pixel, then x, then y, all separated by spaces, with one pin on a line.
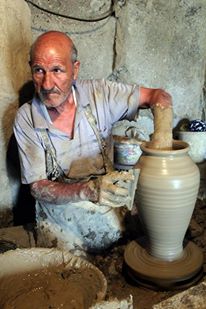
pixel 52 288
pixel 48 278
pixel 162 137
pixel 118 188
pixel 84 167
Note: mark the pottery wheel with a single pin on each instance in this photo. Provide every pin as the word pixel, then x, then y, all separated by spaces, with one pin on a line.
pixel 143 269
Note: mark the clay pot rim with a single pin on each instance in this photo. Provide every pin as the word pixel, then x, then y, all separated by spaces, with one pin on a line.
pixel 180 147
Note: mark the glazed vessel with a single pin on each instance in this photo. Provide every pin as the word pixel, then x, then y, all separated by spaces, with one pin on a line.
pixel 126 151
pixel 127 148
pixel 166 194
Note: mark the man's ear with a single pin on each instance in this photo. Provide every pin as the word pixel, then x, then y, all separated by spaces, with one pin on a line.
pixel 76 69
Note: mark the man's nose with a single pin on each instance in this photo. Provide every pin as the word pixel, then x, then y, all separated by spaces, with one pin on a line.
pixel 47 82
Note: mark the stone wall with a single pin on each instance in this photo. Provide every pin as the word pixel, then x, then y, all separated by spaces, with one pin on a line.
pixel 94 39
pixel 15 39
pixel 163 44
pixel 155 43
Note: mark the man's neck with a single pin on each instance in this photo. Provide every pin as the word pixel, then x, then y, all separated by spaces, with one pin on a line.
pixel 63 116
pixel 63 106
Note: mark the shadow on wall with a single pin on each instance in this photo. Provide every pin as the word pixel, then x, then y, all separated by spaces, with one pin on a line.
pixel 24 203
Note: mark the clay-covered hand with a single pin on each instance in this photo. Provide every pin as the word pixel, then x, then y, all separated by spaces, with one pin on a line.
pixel 114 188
pixel 163 119
pixel 160 140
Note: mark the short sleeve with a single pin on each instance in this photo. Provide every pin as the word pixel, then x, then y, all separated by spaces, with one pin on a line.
pixel 117 100
pixel 123 100
pixel 31 151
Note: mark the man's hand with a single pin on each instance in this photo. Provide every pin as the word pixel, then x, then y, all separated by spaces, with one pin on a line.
pixel 117 189
pixel 161 140
pixel 163 119
pixel 160 103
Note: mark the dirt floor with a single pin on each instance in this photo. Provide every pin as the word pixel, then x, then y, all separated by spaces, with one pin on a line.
pixel 111 263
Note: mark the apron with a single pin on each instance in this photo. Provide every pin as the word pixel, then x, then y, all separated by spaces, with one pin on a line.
pixel 54 170
pixel 81 226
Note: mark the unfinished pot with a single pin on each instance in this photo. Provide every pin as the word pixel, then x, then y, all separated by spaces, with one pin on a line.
pixel 166 194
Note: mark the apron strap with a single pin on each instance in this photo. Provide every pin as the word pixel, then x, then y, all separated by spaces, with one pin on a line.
pixel 53 169
pixel 101 141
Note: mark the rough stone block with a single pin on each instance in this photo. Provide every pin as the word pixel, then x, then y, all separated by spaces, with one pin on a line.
pixel 193 298
pixel 94 40
pixel 162 44
pixel 15 39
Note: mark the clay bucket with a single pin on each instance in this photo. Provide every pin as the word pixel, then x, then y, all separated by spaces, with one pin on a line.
pixel 20 267
pixel 166 193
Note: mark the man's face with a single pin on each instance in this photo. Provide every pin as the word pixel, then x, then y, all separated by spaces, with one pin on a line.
pixel 53 73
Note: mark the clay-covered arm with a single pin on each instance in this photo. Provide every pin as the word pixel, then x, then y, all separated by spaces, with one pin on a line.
pixel 160 103
pixel 61 193
pixel 114 189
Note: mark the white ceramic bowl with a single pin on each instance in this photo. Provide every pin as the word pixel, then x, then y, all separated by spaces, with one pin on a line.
pixel 197 143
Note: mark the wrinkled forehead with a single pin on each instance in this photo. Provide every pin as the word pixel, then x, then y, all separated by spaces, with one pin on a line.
pixel 53 44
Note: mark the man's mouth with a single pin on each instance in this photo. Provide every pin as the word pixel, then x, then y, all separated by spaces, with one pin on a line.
pixel 44 92
pixel 50 95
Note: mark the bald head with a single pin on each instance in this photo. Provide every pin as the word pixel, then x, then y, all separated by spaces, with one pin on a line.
pixel 55 39
pixel 54 67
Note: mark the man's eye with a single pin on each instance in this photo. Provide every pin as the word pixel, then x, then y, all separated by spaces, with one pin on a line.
pixel 37 71
pixel 57 70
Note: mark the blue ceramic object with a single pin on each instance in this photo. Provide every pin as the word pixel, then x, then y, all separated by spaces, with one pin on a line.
pixel 197 126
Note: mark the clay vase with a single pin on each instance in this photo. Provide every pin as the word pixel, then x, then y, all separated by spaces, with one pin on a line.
pixel 166 194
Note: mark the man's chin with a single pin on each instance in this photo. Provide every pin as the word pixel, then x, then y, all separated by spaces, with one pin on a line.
pixel 51 103
pixel 53 100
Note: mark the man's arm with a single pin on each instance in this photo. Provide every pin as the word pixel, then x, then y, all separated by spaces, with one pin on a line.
pixel 160 103
pixel 150 97
pixel 112 189
pixel 61 193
